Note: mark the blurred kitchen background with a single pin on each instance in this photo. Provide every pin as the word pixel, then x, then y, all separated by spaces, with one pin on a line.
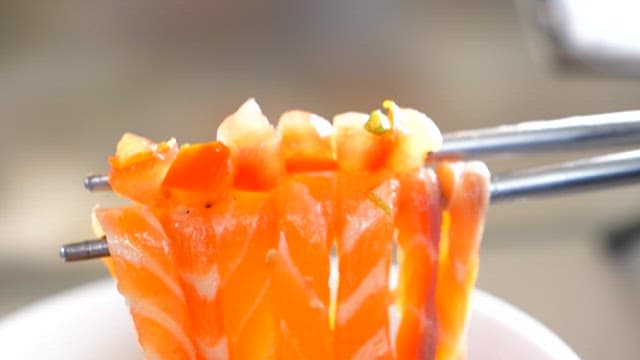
pixel 75 75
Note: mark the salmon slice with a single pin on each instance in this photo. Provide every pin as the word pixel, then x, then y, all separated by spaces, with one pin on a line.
pixel 198 178
pixel 418 223
pixel 246 231
pixel 300 273
pixel 366 207
pixel 193 240
pixel 149 282
pixel 465 188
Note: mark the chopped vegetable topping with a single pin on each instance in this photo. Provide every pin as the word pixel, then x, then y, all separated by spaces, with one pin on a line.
pixel 381 204
pixel 378 123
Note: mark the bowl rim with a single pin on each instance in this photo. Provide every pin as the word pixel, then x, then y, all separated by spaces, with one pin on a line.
pixel 27 321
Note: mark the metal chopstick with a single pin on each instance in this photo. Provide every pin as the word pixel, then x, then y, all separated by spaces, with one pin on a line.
pixel 97 183
pixel 608 170
pixel 596 172
pixel 84 250
pixel 577 132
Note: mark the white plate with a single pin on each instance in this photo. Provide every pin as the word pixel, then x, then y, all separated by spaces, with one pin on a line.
pixel 92 322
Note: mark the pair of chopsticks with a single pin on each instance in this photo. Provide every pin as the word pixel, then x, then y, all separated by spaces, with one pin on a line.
pixel 573 133
pixel 579 132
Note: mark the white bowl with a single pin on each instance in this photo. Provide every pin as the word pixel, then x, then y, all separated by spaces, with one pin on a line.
pixel 92 322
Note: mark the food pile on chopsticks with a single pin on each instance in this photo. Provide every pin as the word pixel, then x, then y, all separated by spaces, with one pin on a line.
pixel 226 252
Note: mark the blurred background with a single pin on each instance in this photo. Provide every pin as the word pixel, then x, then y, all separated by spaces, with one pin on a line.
pixel 75 75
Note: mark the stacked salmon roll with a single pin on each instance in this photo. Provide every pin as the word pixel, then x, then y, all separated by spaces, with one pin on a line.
pixel 278 243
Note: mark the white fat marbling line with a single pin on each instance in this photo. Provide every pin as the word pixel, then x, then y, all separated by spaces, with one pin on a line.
pixel 254 306
pixel 215 352
pixel 375 346
pixel 357 223
pixel 121 247
pixel 283 249
pixel 206 285
pixel 368 286
pixel 148 310
pixel 367 214
pixel 291 339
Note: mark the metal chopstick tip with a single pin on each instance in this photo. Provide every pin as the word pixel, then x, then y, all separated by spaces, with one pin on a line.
pixel 85 250
pixel 63 252
pixel 97 183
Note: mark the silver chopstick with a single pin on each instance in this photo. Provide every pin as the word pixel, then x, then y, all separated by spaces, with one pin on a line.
pixel 577 132
pixel 97 183
pixel 592 173
pixel 84 250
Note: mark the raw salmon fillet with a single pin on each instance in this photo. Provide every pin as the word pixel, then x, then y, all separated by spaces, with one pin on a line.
pixel 247 240
pixel 227 251
pixel 418 222
pixel 148 280
pixel 366 208
pixel 466 192
pixel 300 273
pixel 195 257
pixel 194 238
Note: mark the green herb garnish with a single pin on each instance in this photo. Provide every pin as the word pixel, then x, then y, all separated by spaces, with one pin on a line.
pixel 381 204
pixel 378 123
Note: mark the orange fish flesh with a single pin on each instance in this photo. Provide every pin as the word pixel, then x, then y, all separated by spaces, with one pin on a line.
pixel 227 252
